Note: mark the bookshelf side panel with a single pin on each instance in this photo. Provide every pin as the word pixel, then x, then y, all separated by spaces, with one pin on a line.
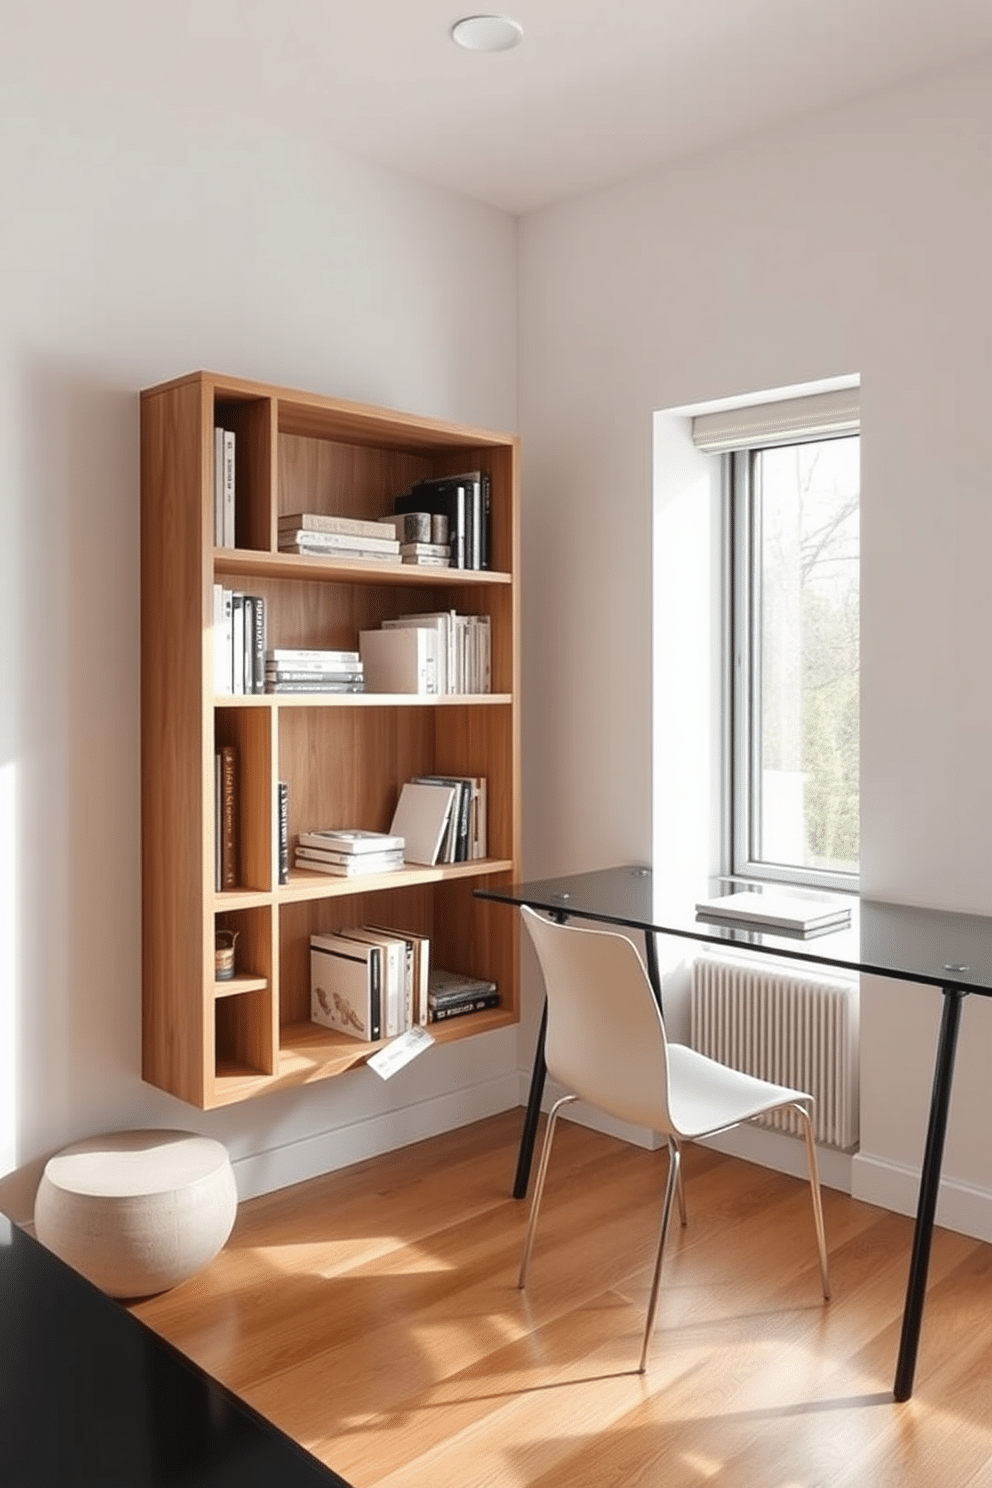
pixel 177 1041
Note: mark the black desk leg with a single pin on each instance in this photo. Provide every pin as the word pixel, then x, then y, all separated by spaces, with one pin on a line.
pixel 933 1154
pixel 537 1077
pixel 651 964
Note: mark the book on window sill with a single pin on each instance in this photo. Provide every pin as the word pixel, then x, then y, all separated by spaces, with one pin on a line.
pixel 800 913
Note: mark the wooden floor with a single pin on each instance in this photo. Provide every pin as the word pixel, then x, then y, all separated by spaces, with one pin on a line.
pixel 373 1314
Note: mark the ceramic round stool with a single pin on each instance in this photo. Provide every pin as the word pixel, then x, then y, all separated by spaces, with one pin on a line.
pixel 137 1212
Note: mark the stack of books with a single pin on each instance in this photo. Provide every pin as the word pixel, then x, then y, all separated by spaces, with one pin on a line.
pixel 369 982
pixel 336 537
pixel 442 818
pixel 239 642
pixel 423 537
pixel 450 653
pixel 452 994
pixel 426 555
pixel 465 501
pixel 349 852
pixel 290 670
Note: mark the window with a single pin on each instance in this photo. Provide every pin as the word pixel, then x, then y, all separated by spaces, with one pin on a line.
pixel 793 690
pixel 795 678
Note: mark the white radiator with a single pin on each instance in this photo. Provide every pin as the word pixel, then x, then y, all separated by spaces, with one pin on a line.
pixel 796 1029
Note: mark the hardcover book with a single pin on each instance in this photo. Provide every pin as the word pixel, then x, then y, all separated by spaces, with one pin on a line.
pixel 354 867
pixel 421 818
pixel 452 986
pixel 418 971
pixel 393 976
pixel 228 818
pixel 339 542
pixel 778 910
pixel 282 820
pixel 346 986
pixel 400 659
pixel 320 522
pixel 458 1009
pixel 351 840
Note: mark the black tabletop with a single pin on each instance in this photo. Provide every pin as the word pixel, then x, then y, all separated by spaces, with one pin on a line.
pixel 933 946
pixel 90 1397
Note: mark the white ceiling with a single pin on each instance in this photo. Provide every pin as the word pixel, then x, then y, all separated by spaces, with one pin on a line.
pixel 598 89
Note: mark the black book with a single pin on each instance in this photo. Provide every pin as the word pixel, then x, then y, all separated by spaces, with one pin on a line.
pixel 448 497
pixel 478 519
pixel 254 607
pixel 440 1012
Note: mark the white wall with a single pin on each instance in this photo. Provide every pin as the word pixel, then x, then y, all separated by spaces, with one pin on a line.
pixel 855 242
pixel 138 244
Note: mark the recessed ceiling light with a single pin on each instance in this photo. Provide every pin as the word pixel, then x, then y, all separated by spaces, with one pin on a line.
pixel 487 33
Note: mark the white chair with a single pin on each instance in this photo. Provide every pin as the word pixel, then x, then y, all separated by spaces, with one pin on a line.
pixel 606 1044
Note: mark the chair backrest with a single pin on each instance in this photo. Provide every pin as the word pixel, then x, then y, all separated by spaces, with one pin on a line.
pixel 605 1037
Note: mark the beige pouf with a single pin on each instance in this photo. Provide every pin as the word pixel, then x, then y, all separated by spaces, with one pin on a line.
pixel 137 1212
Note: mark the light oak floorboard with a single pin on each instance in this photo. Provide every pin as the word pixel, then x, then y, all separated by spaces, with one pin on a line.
pixel 374 1315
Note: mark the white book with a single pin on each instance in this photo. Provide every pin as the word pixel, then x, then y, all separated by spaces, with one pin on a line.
pixel 351 840
pixel 322 522
pixel 418 972
pixel 338 542
pixel 479 844
pixel 426 550
pixel 218 488
pixel 223 641
pixel 346 986
pixel 776 910
pixel 361 868
pixel 393 976
pixel 228 489
pixel 348 867
pixel 441 622
pixel 400 660
pixel 421 818
pixel 280 654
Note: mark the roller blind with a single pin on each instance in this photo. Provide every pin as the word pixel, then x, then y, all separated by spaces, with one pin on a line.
pixel 791 421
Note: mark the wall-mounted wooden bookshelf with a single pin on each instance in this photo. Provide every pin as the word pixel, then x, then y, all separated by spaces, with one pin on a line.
pixel 344 756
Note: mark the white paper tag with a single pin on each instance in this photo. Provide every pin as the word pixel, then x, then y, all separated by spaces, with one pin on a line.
pixel 398 1053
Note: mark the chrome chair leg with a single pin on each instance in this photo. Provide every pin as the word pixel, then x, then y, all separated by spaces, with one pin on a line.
pixel 814 1184
pixel 539 1186
pixel 680 1189
pixel 673 1184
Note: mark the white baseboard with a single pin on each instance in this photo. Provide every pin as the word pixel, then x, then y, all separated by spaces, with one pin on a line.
pixel 960 1206
pixel 325 1152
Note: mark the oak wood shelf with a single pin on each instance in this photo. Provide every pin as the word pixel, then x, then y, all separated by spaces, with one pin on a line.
pixel 344 757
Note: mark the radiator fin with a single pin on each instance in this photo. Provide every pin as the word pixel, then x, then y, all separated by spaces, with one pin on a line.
pixel 797 1030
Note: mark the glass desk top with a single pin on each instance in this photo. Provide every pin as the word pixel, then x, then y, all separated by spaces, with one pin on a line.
pixel 932 946
pixel 89 1395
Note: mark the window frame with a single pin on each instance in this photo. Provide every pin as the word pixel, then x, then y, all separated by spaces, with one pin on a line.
pixel 743 680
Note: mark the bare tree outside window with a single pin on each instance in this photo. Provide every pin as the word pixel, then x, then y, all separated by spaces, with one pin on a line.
pixel 804 663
